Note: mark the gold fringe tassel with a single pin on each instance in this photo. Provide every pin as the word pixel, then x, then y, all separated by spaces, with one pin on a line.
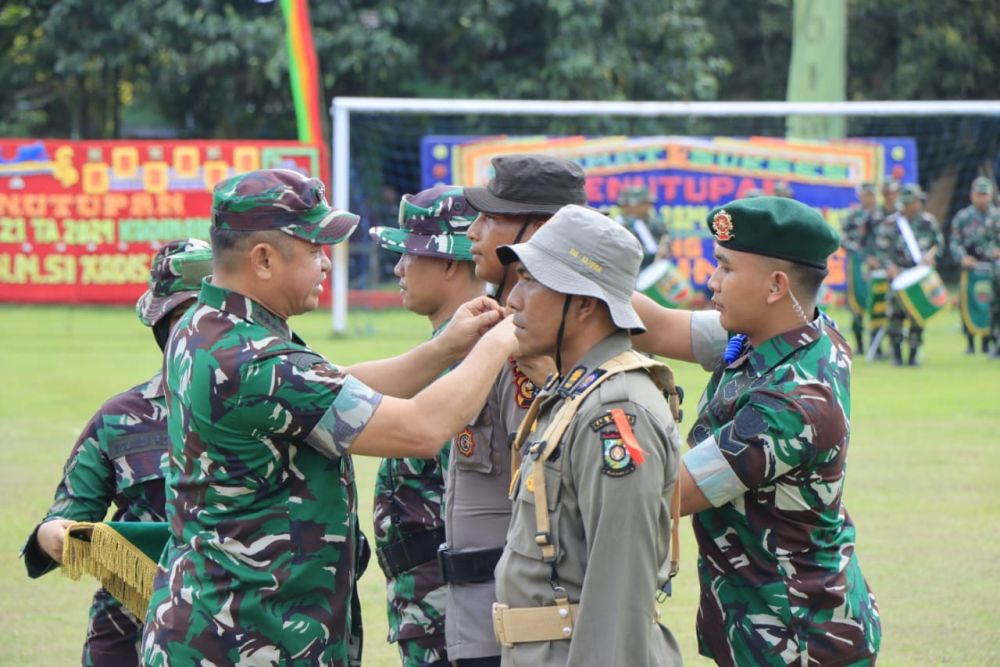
pixel 121 567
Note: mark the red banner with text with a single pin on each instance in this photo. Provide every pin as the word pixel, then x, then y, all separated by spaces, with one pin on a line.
pixel 80 221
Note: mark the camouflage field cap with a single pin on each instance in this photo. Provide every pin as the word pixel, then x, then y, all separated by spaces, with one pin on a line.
pixel 775 227
pixel 866 187
pixel 633 194
pixel 983 185
pixel 892 185
pixel 911 192
pixel 782 189
pixel 174 277
pixel 432 223
pixel 280 199
pixel 582 252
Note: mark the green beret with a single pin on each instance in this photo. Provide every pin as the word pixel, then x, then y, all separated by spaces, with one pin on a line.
pixel 982 184
pixel 775 227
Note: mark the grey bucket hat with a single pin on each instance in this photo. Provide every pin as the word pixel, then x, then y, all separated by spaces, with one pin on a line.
pixel 528 184
pixel 582 252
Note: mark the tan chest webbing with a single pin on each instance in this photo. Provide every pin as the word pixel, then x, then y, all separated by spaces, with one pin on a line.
pixel 542 449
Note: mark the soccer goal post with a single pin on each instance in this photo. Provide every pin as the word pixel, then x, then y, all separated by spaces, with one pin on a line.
pixel 691 155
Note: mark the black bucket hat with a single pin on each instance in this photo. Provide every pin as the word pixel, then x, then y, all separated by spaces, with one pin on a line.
pixel 529 184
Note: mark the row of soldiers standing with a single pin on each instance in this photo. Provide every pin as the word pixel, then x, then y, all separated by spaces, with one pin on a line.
pixel 883 240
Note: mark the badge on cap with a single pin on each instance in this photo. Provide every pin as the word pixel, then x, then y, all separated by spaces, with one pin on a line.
pixel 723 224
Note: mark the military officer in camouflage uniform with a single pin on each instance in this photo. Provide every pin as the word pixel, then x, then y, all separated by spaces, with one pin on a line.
pixel 973 233
pixel 639 217
pixel 523 194
pixel 589 540
pixel 436 276
pixel 855 229
pixel 260 491
pixel 116 460
pixel 781 583
pixel 894 253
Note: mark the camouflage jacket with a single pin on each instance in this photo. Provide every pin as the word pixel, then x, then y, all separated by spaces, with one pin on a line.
pixel 975 234
pixel 780 582
pixel 855 229
pixel 888 246
pixel 116 460
pixel 260 494
pixel 409 495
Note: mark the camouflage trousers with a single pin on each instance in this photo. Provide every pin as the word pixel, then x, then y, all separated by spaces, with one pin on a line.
pixel 113 634
pixel 897 318
pixel 427 651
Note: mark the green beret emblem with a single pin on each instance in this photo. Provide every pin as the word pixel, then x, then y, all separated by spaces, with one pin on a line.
pixel 723 224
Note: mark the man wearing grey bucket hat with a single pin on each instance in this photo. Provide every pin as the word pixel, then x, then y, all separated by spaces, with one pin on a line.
pixel 596 459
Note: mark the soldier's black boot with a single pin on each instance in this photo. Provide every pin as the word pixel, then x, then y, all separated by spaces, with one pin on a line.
pixel 913 356
pixel 859 343
pixel 897 354
pixel 987 342
pixel 971 347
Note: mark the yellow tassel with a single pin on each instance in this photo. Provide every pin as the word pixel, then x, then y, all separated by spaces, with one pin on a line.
pixel 121 567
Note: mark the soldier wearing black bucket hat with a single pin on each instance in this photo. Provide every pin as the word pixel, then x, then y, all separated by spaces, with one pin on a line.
pixel 523 194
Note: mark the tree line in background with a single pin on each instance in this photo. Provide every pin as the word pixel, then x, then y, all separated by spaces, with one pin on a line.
pixel 215 68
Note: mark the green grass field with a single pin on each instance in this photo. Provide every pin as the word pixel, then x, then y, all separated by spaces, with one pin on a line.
pixel 921 487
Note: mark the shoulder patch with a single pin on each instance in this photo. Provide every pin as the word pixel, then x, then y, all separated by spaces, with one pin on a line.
pixel 304 360
pixel 617 460
pixel 607 419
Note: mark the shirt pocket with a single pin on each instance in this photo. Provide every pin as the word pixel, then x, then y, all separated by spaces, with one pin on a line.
pixel 522 535
pixel 138 458
pixel 472 448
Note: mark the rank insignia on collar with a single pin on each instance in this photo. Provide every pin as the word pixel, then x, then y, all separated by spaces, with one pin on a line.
pixel 617 460
pixel 587 381
pixel 465 443
pixel 571 379
pixel 525 389
pixel 722 225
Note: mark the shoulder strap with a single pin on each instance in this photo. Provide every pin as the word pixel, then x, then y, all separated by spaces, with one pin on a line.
pixel 629 360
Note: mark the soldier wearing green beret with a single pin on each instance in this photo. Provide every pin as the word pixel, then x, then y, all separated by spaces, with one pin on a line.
pixel 116 459
pixel 260 491
pixel 637 214
pixel 780 579
pixel 595 460
pixel 854 237
pixel 436 276
pixel 974 245
pixel 904 240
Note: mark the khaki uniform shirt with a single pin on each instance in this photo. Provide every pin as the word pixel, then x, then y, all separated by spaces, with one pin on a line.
pixel 478 509
pixel 610 524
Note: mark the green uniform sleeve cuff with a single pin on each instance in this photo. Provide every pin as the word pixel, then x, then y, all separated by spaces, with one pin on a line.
pixel 346 417
pixel 712 473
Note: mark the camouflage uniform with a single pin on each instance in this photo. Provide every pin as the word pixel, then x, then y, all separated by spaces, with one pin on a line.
pixel 976 234
pixel 780 583
pixel 649 229
pixel 889 247
pixel 117 459
pixel 409 492
pixel 854 235
pixel 260 485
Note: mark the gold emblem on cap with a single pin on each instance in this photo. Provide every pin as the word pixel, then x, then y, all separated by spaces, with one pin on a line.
pixel 723 226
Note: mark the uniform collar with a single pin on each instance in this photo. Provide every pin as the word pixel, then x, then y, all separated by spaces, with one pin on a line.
pixel 774 350
pixel 154 388
pixel 243 307
pixel 611 346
